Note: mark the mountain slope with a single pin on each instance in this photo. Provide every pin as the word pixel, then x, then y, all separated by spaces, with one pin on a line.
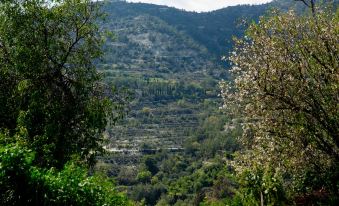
pixel 146 42
pixel 212 29
pixel 170 60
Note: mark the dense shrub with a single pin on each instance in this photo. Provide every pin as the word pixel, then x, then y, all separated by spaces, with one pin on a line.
pixel 22 183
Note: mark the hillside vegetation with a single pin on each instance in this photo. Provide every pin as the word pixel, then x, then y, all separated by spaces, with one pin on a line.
pixel 170 60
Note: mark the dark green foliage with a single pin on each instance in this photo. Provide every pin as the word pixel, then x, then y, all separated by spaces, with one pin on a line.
pixel 53 110
pixel 22 183
pixel 150 194
pixel 151 164
pixel 15 168
pixel 144 176
pixel 49 84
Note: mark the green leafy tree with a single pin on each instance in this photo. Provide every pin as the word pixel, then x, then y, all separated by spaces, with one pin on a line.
pixel 144 176
pixel 53 109
pixel 49 84
pixel 286 92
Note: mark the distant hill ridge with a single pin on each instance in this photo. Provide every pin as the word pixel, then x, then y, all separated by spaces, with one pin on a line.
pixel 213 30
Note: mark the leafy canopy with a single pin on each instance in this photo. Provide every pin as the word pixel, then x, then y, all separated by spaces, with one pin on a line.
pixel 49 84
pixel 53 109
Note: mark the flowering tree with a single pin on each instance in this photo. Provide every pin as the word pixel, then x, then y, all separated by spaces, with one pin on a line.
pixel 286 92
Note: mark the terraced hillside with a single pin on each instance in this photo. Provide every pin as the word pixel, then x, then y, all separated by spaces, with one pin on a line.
pixel 170 60
pixel 166 71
